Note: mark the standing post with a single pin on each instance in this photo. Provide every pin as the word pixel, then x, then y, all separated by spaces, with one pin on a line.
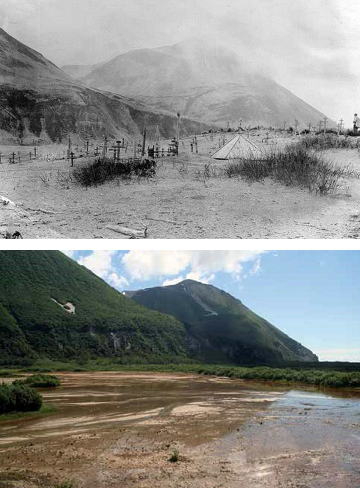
pixel 87 148
pixel 285 126
pixel 19 157
pixel 35 149
pixel 69 148
pixel 296 126
pixel 105 147
pixel 178 128
pixel 144 143
pixel 320 126
pixel 325 121
pixel 30 155
pixel 72 159
pixel 13 158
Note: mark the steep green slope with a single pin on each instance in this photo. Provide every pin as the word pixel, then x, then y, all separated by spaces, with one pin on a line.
pixel 34 286
pixel 220 327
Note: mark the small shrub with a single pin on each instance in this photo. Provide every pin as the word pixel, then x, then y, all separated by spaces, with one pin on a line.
pixel 66 484
pixel 175 456
pixel 101 171
pixel 19 398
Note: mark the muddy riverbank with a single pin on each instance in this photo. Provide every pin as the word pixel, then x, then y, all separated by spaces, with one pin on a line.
pixel 120 429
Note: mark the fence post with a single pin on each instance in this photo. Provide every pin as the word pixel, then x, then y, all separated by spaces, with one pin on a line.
pixel 72 159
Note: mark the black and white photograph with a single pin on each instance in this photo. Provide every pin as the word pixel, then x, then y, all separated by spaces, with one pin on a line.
pixel 176 119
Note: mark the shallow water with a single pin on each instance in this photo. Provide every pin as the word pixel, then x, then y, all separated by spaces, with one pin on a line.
pixel 112 427
pixel 97 400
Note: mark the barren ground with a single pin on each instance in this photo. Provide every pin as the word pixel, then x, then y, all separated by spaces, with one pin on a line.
pixel 116 429
pixel 178 202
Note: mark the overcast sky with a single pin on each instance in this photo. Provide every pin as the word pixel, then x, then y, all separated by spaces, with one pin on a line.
pixel 313 296
pixel 310 47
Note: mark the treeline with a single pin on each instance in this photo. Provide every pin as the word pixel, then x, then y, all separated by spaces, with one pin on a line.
pixel 330 379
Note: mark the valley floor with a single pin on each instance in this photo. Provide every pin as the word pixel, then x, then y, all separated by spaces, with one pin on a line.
pixel 120 429
pixel 178 202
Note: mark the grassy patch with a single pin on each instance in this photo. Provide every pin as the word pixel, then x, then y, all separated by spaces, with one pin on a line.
pixel 40 381
pixel 294 166
pixel 66 484
pixel 44 410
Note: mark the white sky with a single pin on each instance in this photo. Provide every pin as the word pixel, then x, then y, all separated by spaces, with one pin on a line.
pixel 311 46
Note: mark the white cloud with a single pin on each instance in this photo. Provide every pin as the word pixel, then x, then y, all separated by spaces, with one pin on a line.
pixel 117 281
pixel 346 354
pixel 99 262
pixel 174 281
pixel 145 265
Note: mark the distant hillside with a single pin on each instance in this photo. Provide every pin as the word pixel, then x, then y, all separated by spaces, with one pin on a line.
pixel 220 328
pixel 203 81
pixel 39 100
pixel 40 290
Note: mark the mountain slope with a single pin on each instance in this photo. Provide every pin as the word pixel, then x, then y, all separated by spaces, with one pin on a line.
pixel 39 100
pixel 204 82
pixel 220 327
pixel 39 290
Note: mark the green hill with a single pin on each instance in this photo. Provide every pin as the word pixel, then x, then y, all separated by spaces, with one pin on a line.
pixel 50 307
pixel 220 328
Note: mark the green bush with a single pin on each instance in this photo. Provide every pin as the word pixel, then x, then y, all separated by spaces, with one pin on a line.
pixel 19 398
pixel 40 381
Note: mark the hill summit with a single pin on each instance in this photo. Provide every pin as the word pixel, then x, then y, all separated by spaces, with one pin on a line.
pixel 220 327
pixel 204 81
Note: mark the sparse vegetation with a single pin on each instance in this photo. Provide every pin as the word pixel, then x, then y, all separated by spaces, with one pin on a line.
pixel 101 171
pixel 175 456
pixel 40 381
pixel 67 484
pixel 19 398
pixel 322 142
pixel 293 166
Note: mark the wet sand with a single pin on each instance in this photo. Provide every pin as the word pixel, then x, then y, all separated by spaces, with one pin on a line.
pixel 178 202
pixel 117 429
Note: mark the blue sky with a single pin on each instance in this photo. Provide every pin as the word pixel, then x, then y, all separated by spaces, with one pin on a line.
pixel 313 296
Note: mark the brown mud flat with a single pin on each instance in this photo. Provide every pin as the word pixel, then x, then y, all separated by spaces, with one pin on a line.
pixel 179 202
pixel 116 429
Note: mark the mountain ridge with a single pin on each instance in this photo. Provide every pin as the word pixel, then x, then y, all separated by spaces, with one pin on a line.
pixel 224 329
pixel 39 100
pixel 204 82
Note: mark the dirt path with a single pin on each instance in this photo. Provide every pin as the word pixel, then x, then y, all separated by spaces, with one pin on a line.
pixel 178 203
